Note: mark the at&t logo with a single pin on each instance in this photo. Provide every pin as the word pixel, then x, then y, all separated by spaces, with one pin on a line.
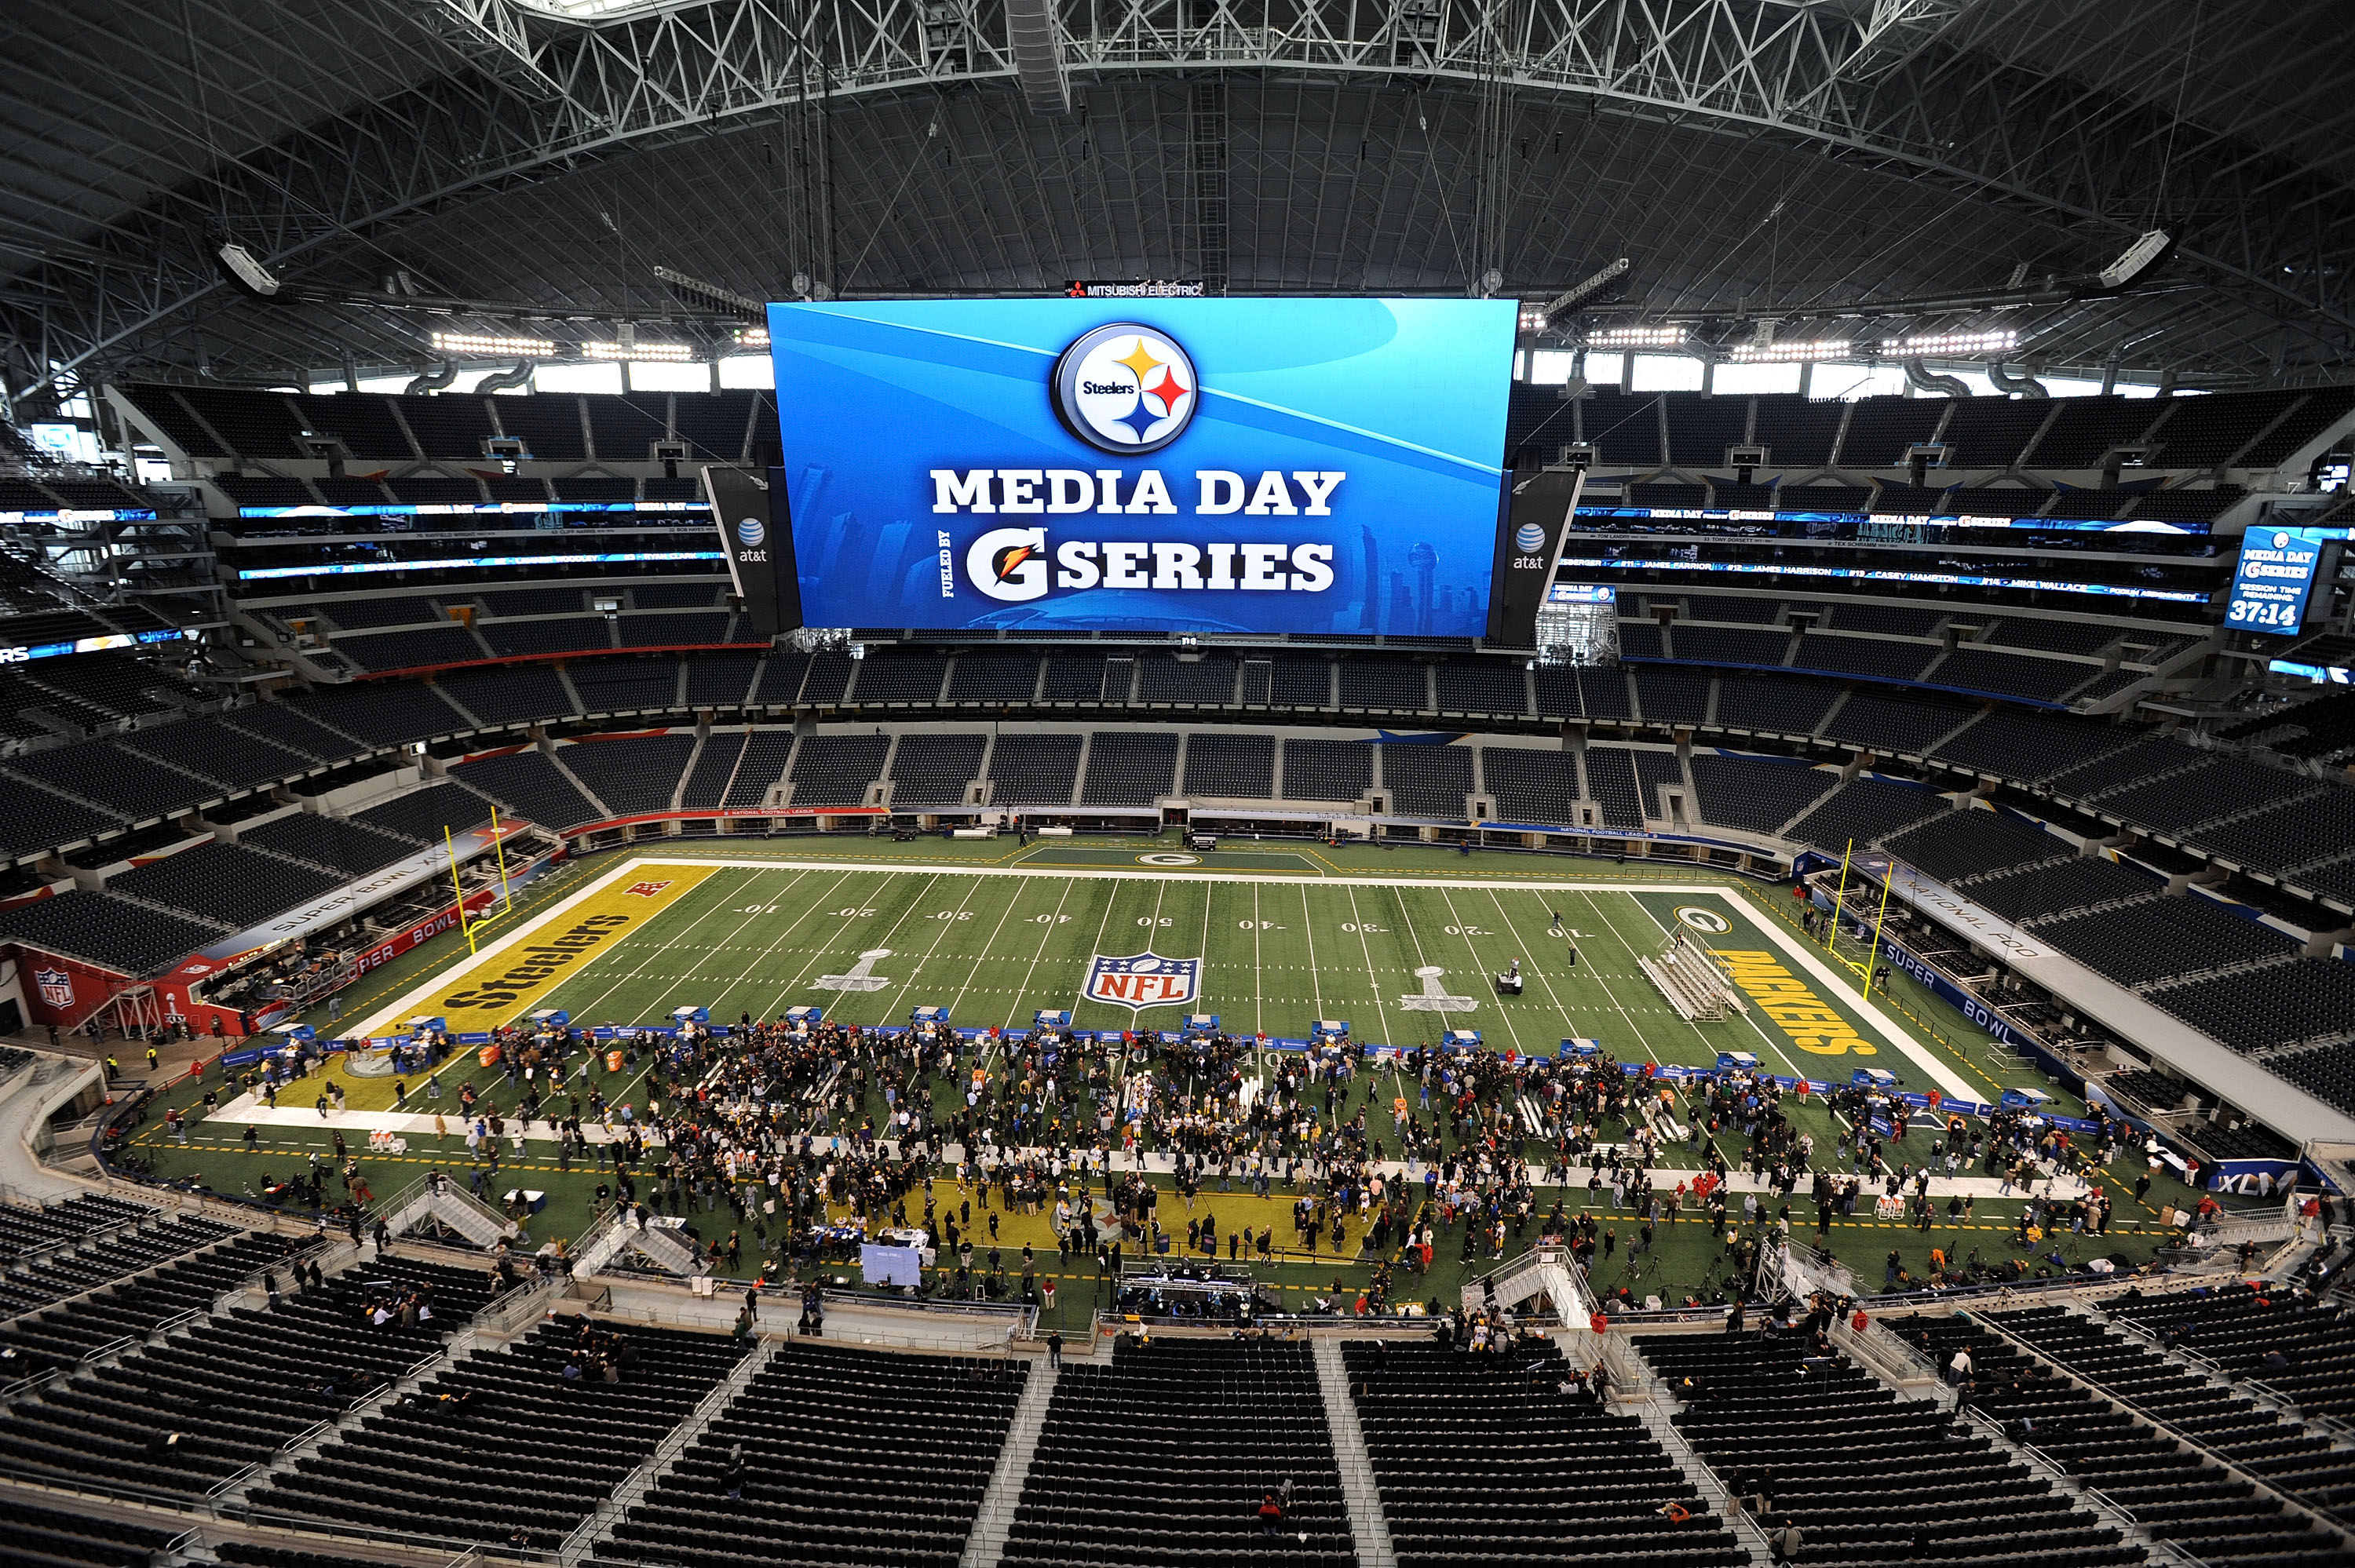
pixel 1126 390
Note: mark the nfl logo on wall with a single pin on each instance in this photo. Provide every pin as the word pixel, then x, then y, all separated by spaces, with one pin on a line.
pixel 1142 980
pixel 56 986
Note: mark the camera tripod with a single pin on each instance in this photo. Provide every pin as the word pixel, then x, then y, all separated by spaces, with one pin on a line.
pixel 1639 1265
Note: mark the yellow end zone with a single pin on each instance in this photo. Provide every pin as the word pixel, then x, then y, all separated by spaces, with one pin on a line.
pixel 509 977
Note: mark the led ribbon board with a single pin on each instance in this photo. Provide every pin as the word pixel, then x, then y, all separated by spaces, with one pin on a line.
pixel 1153 464
pixel 1875 575
pixel 458 563
pixel 19 653
pixel 471 508
pixel 2063 524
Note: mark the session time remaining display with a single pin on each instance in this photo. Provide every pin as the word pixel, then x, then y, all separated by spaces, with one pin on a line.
pixel 1227 465
pixel 2276 578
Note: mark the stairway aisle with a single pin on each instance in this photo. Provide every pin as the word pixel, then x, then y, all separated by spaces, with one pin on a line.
pixel 583 1543
pixel 1358 1488
pixel 987 1544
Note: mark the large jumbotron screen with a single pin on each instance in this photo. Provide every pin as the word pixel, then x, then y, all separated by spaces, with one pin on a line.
pixel 1209 465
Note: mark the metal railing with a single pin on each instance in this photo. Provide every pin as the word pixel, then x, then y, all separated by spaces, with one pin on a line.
pixel 109 1284
pixel 2103 1502
pixel 414 1540
pixel 116 1345
pixel 2321 1516
pixel 505 1313
pixel 674 1443
pixel 1890 1358
pixel 224 1298
pixel 1711 1485
pixel 65 1246
pixel 110 1491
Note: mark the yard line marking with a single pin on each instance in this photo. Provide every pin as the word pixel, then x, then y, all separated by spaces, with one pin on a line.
pixel 1045 937
pixel 1003 915
pixel 1201 983
pixel 1381 1009
pixel 593 1005
pixel 1531 965
pixel 815 954
pixel 1102 925
pixel 1612 994
pixel 1477 966
pixel 1258 969
pixel 1315 977
pixel 824 947
pixel 1765 1040
pixel 918 967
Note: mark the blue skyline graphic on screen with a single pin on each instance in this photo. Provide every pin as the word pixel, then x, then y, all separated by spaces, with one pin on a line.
pixel 1354 449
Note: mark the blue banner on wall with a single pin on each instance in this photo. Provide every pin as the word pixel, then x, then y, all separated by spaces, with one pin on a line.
pixel 1955 997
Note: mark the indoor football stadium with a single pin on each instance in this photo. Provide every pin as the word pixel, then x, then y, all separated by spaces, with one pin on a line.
pixel 991 784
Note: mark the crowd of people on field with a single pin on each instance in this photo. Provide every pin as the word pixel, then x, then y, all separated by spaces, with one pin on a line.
pixel 814 1136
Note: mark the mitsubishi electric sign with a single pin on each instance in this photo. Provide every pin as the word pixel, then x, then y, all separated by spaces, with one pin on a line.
pixel 1147 464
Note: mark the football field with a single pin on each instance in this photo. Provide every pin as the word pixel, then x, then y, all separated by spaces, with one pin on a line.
pixel 1268 952
pixel 1403 945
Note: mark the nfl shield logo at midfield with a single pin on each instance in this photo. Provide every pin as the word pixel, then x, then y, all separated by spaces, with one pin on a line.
pixel 1142 980
pixel 57 987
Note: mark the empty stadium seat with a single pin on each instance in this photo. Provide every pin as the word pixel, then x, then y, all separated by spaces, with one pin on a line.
pixel 848 1457
pixel 532 786
pixel 1581 1488
pixel 1164 1454
pixel 531 1451
pixel 234 885
pixel 1034 770
pixel 1129 767
pixel 1862 1470
pixel 1234 766
pixel 934 769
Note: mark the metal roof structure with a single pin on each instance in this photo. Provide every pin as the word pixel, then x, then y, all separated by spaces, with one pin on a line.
pixel 400 164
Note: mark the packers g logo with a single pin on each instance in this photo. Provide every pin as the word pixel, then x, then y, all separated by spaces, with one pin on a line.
pixel 1708 922
pixel 1125 389
pixel 1008 564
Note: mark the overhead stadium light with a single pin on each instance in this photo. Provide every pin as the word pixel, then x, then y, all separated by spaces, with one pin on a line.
pixel 488 347
pixel 752 337
pixel 1796 349
pixel 245 272
pixel 1932 346
pixel 691 284
pixel 1563 301
pixel 2146 252
pixel 645 351
pixel 1637 337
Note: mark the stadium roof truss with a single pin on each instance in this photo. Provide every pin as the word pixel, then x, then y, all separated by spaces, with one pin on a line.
pixel 347 139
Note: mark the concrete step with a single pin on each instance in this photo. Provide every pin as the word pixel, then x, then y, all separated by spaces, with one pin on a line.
pixel 1358 1491
pixel 987 1544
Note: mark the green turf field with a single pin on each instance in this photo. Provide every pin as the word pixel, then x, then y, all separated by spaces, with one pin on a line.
pixel 1403 962
pixel 995 932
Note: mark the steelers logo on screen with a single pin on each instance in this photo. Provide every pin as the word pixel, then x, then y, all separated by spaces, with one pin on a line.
pixel 1126 390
